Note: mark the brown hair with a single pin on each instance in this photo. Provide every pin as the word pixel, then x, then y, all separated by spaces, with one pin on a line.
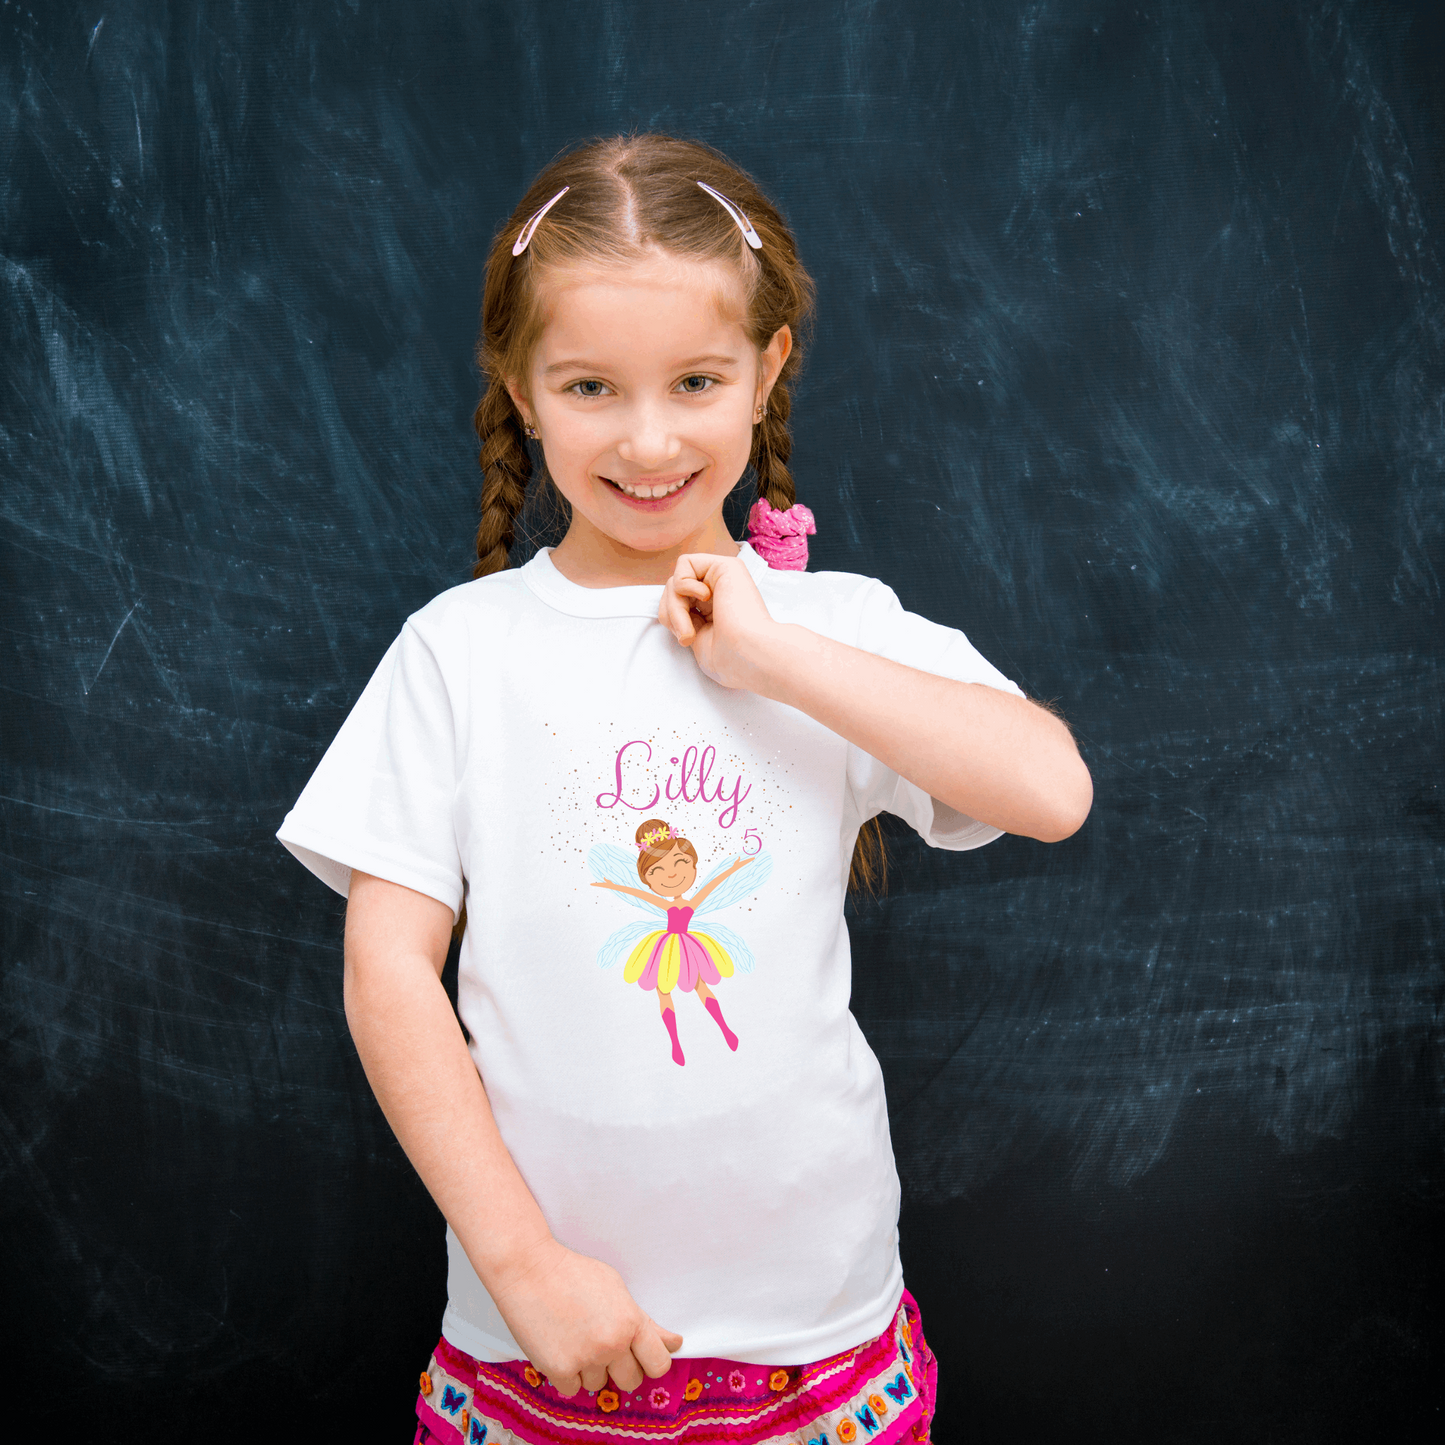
pixel 629 195
pixel 659 850
pixel 868 872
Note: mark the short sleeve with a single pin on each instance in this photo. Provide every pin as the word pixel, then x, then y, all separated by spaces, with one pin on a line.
pixel 383 797
pixel 888 631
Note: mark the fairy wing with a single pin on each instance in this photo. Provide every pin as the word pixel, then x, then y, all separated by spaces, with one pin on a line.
pixel 744 881
pixel 610 864
pixel 618 945
pixel 737 948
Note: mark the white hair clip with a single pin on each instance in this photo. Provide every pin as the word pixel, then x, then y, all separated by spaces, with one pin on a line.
pixel 744 225
pixel 524 240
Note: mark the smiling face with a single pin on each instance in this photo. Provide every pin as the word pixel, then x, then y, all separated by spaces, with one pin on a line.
pixel 672 876
pixel 644 387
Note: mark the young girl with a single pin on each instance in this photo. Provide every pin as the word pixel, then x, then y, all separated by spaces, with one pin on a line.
pixel 640 1250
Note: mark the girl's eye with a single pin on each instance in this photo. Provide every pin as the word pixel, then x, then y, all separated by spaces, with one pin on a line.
pixel 689 385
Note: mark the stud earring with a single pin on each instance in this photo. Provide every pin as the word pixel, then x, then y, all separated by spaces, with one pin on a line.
pixel 532 432
pixel 758 415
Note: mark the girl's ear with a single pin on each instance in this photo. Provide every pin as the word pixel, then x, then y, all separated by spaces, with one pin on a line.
pixel 520 401
pixel 774 357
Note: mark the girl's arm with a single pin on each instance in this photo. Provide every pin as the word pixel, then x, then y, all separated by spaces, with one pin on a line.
pixel 695 901
pixel 651 898
pixel 572 1315
pixel 983 752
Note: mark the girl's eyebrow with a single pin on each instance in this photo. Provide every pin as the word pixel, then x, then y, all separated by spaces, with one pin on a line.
pixel 585 365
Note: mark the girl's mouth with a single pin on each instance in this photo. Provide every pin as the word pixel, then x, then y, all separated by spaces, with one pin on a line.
pixel 652 496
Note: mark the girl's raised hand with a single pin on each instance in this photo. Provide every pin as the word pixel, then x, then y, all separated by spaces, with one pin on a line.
pixel 576 1322
pixel 712 605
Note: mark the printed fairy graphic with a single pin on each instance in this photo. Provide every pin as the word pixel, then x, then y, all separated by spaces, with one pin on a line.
pixel 675 957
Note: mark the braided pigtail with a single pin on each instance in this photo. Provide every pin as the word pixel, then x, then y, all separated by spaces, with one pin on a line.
pixel 506 469
pixel 868 872
pixel 772 447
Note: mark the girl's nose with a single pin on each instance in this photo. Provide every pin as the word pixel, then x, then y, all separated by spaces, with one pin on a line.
pixel 648 443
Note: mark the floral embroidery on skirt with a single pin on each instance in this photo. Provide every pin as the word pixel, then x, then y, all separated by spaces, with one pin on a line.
pixel 881 1392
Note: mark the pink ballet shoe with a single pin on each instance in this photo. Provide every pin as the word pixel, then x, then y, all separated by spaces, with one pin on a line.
pixel 715 1009
pixel 669 1017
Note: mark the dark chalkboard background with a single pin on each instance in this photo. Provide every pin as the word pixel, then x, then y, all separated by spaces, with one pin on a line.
pixel 1130 361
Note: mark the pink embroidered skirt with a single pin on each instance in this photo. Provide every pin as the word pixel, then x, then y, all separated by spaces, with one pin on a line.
pixel 881 1392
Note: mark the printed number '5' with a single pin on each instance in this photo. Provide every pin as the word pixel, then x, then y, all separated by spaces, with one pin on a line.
pixel 757 841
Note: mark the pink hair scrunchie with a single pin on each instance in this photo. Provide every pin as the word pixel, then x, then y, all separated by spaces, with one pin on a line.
pixel 781 538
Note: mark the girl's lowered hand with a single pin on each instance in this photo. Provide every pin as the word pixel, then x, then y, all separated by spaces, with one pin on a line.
pixel 577 1323
pixel 712 605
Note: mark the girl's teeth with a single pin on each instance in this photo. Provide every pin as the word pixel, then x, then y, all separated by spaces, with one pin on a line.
pixel 644 493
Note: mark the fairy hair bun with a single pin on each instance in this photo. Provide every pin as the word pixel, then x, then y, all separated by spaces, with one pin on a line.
pixel 653 833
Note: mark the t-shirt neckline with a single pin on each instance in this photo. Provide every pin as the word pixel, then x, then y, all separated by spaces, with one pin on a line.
pixel 547 583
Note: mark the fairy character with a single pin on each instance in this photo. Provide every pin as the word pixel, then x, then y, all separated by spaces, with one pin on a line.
pixel 675 957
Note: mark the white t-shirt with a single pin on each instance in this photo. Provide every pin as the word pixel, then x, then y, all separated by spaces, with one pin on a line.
pixel 748 1198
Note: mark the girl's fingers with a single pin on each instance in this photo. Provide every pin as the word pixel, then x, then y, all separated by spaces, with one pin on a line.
pixel 698 594
pixel 626 1373
pixel 676 616
pixel 566 1385
pixel 683 602
pixel 692 587
pixel 653 1348
pixel 688 582
pixel 594 1377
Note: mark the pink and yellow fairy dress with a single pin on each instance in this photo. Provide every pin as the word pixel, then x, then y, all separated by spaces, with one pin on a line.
pixel 671 957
